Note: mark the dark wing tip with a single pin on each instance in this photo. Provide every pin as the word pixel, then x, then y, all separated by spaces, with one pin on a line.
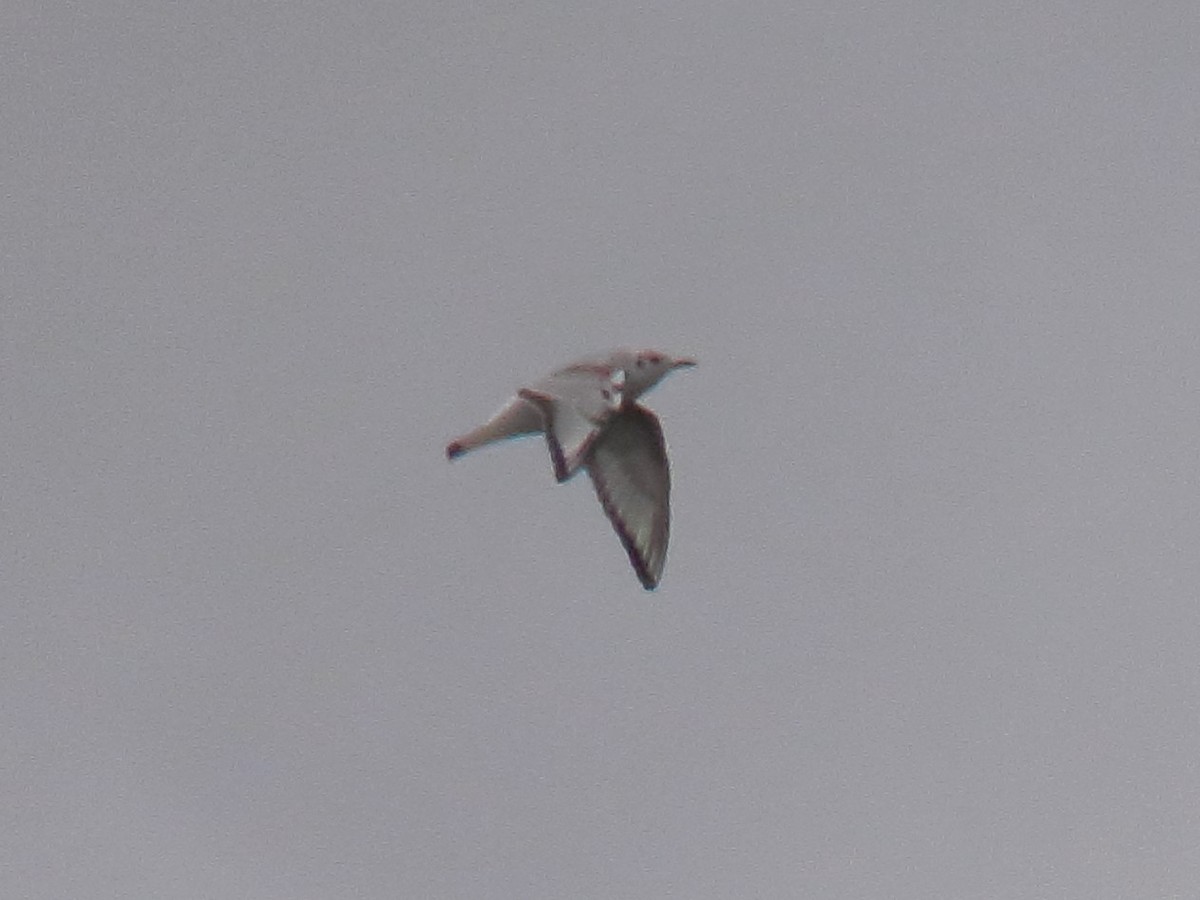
pixel 640 566
pixel 557 458
pixel 545 403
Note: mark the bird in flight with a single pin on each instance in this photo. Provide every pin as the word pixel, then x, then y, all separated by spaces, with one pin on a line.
pixel 589 412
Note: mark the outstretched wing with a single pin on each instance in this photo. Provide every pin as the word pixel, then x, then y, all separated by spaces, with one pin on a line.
pixel 569 434
pixel 628 466
pixel 575 403
pixel 515 418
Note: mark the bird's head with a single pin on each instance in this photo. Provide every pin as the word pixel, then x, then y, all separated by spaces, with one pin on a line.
pixel 646 368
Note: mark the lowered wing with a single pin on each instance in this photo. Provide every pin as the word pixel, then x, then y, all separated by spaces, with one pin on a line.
pixel 628 466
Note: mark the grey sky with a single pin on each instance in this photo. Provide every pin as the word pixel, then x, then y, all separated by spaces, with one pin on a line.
pixel 929 622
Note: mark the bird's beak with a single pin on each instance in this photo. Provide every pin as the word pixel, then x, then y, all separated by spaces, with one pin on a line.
pixel 683 362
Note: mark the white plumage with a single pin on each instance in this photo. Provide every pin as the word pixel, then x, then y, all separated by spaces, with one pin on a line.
pixel 589 414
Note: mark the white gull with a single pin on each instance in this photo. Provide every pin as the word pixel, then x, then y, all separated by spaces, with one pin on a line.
pixel 589 414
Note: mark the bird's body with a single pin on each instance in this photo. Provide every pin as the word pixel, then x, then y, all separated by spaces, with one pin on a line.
pixel 589 414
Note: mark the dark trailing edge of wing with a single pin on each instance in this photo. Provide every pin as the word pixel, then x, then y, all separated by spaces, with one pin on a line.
pixel 632 424
pixel 645 576
pixel 562 468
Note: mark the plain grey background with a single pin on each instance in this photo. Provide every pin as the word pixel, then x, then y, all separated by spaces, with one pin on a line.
pixel 929 624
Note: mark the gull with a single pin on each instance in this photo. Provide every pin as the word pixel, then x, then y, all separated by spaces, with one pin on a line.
pixel 589 413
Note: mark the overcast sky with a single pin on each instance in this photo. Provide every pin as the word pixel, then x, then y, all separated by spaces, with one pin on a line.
pixel 929 625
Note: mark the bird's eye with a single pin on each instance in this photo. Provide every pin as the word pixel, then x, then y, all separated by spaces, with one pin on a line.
pixel 655 358
pixel 641 362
